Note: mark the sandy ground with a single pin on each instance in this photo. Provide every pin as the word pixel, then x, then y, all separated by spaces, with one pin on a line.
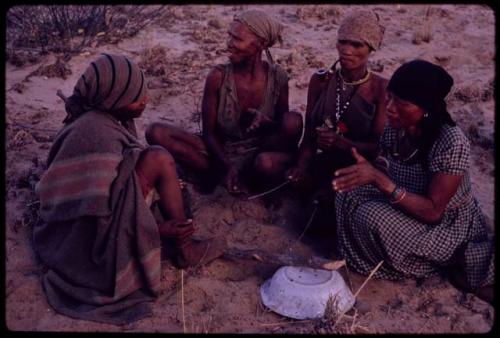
pixel 224 296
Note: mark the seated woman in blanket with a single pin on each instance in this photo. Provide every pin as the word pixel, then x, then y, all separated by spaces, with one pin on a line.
pixel 247 128
pixel 99 238
pixel 419 216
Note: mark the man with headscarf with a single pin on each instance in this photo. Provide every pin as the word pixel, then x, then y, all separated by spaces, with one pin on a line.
pixel 246 122
pixel 345 108
pixel 100 237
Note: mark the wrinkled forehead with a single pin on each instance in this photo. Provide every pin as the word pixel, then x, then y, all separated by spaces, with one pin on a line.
pixel 240 29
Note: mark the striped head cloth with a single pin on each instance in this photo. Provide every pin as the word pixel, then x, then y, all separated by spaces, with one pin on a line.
pixel 109 83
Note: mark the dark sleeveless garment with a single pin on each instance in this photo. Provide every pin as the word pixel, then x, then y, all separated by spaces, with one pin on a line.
pixel 239 145
pixel 358 118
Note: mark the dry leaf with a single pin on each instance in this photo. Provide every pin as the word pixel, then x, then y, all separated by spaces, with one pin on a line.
pixel 257 257
pixel 334 265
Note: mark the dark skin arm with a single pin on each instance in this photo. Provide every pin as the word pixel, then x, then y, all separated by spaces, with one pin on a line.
pixel 262 120
pixel 209 106
pixel 328 139
pixel 428 209
pixel 308 145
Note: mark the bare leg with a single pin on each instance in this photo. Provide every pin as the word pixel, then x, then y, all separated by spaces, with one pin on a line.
pixel 279 148
pixel 156 169
pixel 185 147
pixel 273 164
pixel 286 138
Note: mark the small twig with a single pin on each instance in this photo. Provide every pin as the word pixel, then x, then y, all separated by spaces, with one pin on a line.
pixel 182 301
pixel 206 326
pixel 354 321
pixel 307 226
pixel 348 277
pixel 33 203
pixel 363 328
pixel 244 151
pixel 357 292
pixel 285 323
pixel 368 278
pixel 269 191
pixel 423 326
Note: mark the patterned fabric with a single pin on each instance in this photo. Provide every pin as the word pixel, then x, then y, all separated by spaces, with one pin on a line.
pixel 109 83
pixel 370 229
pixel 363 26
pixel 99 239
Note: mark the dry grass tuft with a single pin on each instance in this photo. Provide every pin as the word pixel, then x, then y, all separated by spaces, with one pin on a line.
pixel 423 33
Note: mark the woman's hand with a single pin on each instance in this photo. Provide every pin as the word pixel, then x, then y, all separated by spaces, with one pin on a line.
pixel 327 139
pixel 258 119
pixel 351 177
pixel 232 182
pixel 296 173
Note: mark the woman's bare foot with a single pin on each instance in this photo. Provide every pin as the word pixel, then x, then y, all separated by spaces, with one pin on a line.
pixel 193 253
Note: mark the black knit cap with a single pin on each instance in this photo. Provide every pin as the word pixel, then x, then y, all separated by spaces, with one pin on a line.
pixel 422 83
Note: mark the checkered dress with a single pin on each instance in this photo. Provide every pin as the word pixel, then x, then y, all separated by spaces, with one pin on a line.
pixel 370 229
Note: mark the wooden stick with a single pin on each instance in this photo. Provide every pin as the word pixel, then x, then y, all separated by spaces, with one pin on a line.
pixel 307 226
pixel 182 301
pixel 354 321
pixel 357 292
pixel 269 191
pixel 286 323
pixel 423 326
pixel 368 278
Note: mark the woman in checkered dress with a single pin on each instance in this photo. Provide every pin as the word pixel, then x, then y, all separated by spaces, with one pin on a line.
pixel 417 214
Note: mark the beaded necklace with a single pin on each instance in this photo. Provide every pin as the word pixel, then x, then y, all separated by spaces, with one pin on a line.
pixel 341 109
pixel 339 88
pixel 356 82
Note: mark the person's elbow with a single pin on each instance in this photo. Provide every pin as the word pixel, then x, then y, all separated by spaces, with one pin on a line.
pixel 434 216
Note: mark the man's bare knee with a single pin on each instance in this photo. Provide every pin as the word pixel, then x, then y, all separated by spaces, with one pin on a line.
pixel 157 156
pixel 159 133
pixel 152 133
pixel 264 163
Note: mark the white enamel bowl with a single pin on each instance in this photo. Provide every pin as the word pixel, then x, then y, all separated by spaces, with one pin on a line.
pixel 302 293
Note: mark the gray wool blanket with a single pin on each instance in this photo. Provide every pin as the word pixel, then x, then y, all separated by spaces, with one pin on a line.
pixel 99 240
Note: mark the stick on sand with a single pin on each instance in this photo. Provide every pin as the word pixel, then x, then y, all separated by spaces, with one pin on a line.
pixel 269 191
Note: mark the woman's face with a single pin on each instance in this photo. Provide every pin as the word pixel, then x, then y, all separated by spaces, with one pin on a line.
pixel 401 113
pixel 352 54
pixel 241 42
